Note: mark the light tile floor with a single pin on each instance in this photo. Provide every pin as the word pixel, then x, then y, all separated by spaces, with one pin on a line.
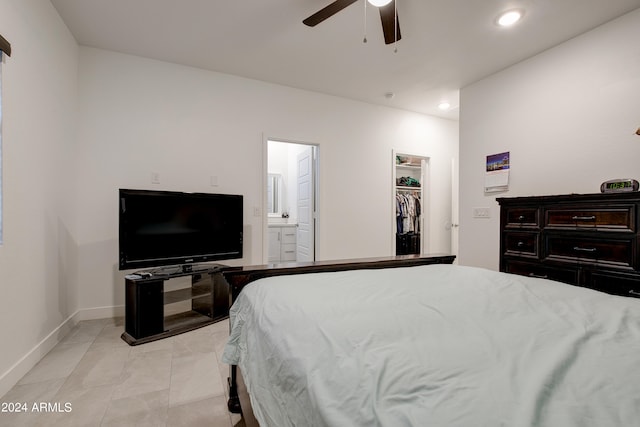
pixel 93 378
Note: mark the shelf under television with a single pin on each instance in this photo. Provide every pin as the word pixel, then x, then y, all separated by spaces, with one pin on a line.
pixel 176 324
pixel 152 314
pixel 180 295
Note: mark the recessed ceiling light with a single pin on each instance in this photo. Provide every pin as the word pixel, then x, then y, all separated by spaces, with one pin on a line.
pixel 444 106
pixel 509 18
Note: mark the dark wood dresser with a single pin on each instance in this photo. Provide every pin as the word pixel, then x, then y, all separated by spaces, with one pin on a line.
pixel 588 240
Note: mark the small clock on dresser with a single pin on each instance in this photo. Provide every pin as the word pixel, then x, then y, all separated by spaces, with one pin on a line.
pixel 619 185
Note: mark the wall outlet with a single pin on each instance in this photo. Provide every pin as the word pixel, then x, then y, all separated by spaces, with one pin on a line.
pixel 257 211
pixel 481 213
pixel 213 180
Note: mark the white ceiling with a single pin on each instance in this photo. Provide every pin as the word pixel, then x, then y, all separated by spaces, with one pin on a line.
pixel 446 44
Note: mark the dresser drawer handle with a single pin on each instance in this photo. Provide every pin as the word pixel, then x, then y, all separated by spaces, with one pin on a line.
pixel 520 244
pixel 521 218
pixel 632 292
pixel 579 249
pixel 544 276
pixel 583 218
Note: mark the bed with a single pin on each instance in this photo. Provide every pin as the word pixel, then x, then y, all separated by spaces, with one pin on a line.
pixel 435 345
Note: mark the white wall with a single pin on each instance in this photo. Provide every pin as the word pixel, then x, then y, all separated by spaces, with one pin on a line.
pixel 567 116
pixel 139 116
pixel 38 257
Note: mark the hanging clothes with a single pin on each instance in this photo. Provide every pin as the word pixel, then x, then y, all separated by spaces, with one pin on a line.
pixel 408 211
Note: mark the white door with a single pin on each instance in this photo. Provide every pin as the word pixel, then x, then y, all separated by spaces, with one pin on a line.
pixel 305 236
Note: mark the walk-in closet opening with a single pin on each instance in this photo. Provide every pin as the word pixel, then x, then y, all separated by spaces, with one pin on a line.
pixel 410 204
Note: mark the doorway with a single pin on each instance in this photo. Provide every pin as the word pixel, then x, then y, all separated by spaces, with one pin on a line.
pixel 291 194
pixel 410 204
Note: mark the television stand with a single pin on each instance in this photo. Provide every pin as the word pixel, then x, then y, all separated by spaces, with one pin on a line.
pixel 145 300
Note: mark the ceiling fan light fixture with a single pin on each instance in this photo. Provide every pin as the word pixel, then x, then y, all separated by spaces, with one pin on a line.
pixel 388 17
pixel 379 3
pixel 509 18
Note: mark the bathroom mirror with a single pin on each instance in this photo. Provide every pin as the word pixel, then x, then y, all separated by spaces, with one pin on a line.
pixel 274 194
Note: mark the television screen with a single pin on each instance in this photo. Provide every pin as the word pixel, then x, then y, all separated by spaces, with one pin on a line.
pixel 159 228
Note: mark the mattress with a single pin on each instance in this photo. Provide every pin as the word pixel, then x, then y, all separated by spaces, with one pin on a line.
pixel 435 345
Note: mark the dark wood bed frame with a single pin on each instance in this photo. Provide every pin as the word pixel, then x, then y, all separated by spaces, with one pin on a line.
pixel 239 277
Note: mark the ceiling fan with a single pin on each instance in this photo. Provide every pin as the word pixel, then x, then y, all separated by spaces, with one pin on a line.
pixel 388 15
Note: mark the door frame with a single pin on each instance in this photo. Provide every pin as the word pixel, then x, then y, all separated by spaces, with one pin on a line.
pixel 454 225
pixel 316 192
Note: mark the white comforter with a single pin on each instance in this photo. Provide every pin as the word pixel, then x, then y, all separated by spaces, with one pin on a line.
pixel 438 345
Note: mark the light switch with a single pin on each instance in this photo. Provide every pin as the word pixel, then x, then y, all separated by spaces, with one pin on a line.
pixel 481 213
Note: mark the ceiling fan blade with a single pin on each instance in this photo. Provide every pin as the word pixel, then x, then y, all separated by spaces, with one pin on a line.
pixel 327 12
pixel 389 21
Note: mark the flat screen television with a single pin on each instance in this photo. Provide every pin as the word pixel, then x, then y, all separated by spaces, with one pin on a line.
pixel 162 228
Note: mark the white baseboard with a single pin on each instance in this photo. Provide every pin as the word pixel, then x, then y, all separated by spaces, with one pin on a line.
pixel 99 313
pixel 11 377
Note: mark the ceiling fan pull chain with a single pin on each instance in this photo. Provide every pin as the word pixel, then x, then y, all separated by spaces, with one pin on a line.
pixel 365 22
pixel 395 26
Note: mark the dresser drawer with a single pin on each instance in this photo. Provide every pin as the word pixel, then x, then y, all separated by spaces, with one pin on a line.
pixel 619 218
pixel 618 252
pixel 288 252
pixel 521 243
pixel 566 275
pixel 627 285
pixel 288 235
pixel 522 217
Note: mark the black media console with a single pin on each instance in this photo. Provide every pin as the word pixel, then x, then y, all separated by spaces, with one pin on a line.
pixel 145 300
